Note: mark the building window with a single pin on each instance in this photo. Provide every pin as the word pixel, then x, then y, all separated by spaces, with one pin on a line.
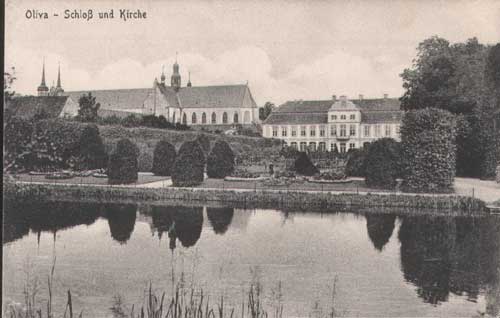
pixel 312 131
pixel 193 118
pixel 275 131
pixel 334 117
pixel 214 118
pixel 352 146
pixel 283 132
pixel 343 117
pixel 353 117
pixel 333 130
pixel 203 118
pixel 333 147
pixel 366 144
pixel 367 131
pixel 303 131
pixel 312 146
pixel 303 146
pixel 224 118
pixel 322 131
pixel 387 130
pixel 352 130
pixel 293 145
pixel 322 146
pixel 235 118
pixel 294 132
pixel 173 118
pixel 184 119
pixel 397 130
pixel 342 147
pixel 377 130
pixel 342 130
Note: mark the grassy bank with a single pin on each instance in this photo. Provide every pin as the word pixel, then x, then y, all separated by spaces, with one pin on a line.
pixel 278 199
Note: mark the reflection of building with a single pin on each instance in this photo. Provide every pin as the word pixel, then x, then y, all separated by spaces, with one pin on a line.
pixel 198 106
pixel 326 124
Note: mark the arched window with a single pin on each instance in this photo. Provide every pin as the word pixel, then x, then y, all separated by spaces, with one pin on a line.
pixel 173 118
pixel 193 118
pixel 246 117
pixel 184 119
pixel 235 118
pixel 203 118
pixel 224 118
pixel 214 118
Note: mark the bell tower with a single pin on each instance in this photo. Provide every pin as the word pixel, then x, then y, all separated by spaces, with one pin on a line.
pixel 43 90
pixel 175 79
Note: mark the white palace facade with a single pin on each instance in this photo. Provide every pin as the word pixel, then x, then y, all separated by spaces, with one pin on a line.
pixel 342 123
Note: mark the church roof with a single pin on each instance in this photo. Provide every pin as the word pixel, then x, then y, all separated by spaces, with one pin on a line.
pixel 316 111
pixel 116 99
pixel 28 106
pixel 207 96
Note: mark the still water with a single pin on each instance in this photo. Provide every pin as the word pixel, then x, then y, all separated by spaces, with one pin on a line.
pixel 384 265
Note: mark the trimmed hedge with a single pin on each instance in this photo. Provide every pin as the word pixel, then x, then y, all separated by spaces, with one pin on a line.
pixel 382 163
pixel 122 166
pixel 304 166
pixel 204 142
pixel 17 143
pixel 189 165
pixel 355 166
pixel 220 161
pixel 429 150
pixel 163 158
pixel 92 152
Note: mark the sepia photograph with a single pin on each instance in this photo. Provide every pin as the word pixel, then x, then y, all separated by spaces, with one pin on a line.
pixel 251 159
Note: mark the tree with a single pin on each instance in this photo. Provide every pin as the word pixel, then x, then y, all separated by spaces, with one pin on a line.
pixel 355 166
pixel 88 108
pixel 220 161
pixel 382 164
pixel 428 150
pixel 204 142
pixel 265 111
pixel 304 166
pixel 92 152
pixel 122 165
pixel 189 165
pixel 17 143
pixel 163 158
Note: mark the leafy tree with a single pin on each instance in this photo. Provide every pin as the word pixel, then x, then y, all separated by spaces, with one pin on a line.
pixel 17 143
pixel 220 161
pixel 92 152
pixel 88 108
pixel 189 165
pixel 304 166
pixel 382 164
pixel 163 158
pixel 122 165
pixel 265 111
pixel 204 142
pixel 8 80
pixel 355 166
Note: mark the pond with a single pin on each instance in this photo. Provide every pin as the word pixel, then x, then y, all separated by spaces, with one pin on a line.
pixel 382 265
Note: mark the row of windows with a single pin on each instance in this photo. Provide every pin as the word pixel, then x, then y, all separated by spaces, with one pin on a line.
pixel 343 117
pixel 340 131
pixel 213 118
pixel 321 146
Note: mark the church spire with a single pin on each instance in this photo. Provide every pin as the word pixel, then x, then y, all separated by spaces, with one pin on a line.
pixel 175 79
pixel 43 74
pixel 162 74
pixel 43 90
pixel 189 80
pixel 59 76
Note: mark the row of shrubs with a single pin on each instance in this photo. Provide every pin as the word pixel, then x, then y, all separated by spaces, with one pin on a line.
pixel 132 120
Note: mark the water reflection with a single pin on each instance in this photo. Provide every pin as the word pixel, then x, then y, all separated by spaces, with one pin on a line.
pixel 220 218
pixel 121 221
pixel 380 228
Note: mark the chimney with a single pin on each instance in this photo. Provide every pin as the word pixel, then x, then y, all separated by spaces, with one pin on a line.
pixel 334 98
pixel 360 96
pixel 386 96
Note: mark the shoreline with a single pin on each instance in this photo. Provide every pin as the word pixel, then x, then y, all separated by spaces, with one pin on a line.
pixel 300 200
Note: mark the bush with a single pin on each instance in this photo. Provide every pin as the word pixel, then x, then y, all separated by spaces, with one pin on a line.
pixel 429 150
pixel 204 142
pixel 145 161
pixel 17 143
pixel 163 158
pixel 132 121
pixel 189 165
pixel 92 152
pixel 382 163
pixel 355 166
pixel 122 166
pixel 220 161
pixel 304 166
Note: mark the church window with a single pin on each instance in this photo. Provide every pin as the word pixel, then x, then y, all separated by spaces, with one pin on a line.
pixel 193 118
pixel 235 118
pixel 224 118
pixel 184 119
pixel 203 118
pixel 214 118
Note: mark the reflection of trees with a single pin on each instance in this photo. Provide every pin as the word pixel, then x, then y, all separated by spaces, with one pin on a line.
pixel 121 220
pixel 443 254
pixel 220 218
pixel 19 217
pixel 380 227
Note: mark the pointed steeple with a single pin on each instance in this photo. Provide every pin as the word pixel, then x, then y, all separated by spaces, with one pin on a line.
pixel 43 90
pixel 43 74
pixel 59 76
pixel 189 80
pixel 175 79
pixel 162 74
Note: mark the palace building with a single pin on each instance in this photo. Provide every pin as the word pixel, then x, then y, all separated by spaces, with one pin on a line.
pixel 336 123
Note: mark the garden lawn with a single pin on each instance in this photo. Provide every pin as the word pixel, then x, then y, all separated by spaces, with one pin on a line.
pixel 143 179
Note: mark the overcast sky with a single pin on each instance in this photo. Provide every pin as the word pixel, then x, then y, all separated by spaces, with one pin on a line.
pixel 284 49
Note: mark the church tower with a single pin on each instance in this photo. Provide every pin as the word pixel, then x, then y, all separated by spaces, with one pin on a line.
pixel 175 79
pixel 59 89
pixel 189 80
pixel 43 90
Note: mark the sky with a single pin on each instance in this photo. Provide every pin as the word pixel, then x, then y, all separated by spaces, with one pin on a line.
pixel 285 50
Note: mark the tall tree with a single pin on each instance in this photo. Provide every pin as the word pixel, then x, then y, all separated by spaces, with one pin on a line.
pixel 88 108
pixel 265 111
